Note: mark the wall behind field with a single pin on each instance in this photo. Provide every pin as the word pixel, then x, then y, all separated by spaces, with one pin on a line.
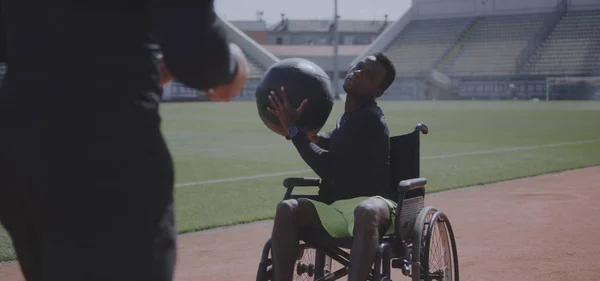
pixel 580 5
pixel 430 9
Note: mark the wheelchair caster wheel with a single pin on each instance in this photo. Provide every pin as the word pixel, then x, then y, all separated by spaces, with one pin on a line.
pixel 403 265
pixel 302 268
pixel 406 270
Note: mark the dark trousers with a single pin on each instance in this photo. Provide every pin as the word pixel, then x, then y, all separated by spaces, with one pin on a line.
pixel 86 194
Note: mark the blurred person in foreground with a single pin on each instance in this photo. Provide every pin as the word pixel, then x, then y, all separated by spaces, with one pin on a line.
pixel 86 189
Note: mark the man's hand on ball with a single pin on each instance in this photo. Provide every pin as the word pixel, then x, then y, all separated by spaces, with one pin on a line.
pixel 284 110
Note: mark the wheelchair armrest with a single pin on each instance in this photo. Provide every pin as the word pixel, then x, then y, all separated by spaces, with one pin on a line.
pixel 294 182
pixel 410 184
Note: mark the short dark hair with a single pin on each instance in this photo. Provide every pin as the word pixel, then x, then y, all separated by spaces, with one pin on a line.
pixel 390 73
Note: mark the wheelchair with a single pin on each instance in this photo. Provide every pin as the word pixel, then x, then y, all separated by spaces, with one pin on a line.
pixel 421 232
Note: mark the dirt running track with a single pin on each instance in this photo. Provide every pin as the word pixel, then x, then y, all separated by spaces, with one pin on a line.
pixel 540 228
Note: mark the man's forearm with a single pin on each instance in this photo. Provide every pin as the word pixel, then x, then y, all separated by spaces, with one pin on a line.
pixel 323 140
pixel 317 158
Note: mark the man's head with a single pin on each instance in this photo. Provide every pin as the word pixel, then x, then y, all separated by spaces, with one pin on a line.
pixel 370 77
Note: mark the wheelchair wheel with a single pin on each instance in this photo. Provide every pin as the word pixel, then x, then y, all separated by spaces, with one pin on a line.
pixel 434 253
pixel 310 264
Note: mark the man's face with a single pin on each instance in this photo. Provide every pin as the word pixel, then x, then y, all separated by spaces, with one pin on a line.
pixel 365 78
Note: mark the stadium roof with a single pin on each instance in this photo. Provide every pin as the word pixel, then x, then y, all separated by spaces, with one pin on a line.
pixel 318 50
pixel 253 25
pixel 365 26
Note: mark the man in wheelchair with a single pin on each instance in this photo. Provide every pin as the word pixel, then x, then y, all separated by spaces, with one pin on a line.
pixel 353 162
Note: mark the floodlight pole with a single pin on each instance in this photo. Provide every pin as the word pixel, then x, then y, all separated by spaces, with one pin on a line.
pixel 336 75
pixel 547 89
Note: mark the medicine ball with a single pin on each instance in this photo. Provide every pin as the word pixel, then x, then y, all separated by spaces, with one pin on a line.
pixel 301 79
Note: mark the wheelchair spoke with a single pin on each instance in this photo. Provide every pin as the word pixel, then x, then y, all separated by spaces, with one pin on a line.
pixel 440 255
pixel 425 263
pixel 438 251
pixel 306 267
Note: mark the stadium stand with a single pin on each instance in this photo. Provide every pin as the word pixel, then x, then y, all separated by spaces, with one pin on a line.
pixel 492 48
pixel 505 49
pixel 573 48
pixel 418 47
pixel 255 73
pixel 255 69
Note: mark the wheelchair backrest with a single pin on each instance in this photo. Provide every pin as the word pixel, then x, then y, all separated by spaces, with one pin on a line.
pixel 404 162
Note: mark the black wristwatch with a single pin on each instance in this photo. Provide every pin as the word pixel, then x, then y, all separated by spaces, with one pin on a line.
pixel 292 132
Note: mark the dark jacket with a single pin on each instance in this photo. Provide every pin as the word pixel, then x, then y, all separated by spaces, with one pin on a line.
pixel 353 159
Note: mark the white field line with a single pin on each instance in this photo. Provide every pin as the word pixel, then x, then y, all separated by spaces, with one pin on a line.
pixel 182 149
pixel 443 156
pixel 243 178
pixel 510 149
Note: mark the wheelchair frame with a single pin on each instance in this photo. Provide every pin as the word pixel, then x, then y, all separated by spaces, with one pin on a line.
pixel 407 249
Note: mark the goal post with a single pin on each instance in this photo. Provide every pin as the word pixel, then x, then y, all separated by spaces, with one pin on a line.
pixel 572 87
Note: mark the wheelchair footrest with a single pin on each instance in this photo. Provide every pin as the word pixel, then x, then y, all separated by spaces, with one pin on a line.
pixel 398 263
pixel 403 265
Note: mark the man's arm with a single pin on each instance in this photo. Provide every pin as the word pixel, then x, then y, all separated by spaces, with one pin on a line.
pixel 195 50
pixel 316 157
pixel 324 140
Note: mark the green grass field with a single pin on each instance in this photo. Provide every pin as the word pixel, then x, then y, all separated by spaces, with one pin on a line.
pixel 216 146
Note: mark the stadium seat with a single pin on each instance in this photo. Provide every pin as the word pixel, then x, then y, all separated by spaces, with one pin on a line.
pixel 422 42
pixel 494 45
pixel 256 71
pixel 572 48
